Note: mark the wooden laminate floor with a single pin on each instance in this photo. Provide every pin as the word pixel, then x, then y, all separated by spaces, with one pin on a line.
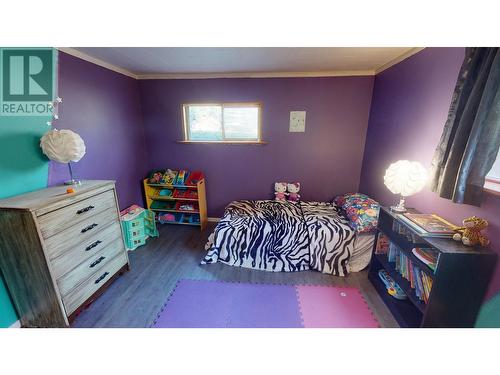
pixel 135 298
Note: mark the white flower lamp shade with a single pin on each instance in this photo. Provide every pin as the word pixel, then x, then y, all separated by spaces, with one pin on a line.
pixel 63 146
pixel 405 178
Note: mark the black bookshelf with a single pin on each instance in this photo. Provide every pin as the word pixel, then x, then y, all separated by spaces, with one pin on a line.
pixel 459 284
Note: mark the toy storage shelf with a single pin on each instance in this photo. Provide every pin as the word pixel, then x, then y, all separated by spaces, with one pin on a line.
pixel 152 195
pixel 160 198
pixel 178 211
pixel 173 186
pixel 459 282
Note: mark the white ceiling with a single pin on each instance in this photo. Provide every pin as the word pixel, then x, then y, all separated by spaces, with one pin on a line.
pixel 189 62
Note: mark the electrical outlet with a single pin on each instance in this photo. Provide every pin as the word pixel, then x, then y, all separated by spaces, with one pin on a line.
pixel 297 121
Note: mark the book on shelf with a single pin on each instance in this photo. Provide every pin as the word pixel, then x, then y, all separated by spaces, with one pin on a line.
pixel 428 225
pixel 392 252
pixel 428 256
pixel 382 246
pixel 419 281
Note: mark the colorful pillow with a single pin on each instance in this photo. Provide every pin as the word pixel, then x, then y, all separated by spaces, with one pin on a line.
pixel 361 210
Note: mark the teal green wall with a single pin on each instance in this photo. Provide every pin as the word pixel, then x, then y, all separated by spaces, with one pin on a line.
pixel 7 312
pixel 22 168
pixel 489 316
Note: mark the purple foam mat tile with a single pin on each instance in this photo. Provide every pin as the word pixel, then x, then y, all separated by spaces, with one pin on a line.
pixel 164 305
pixel 219 304
pixel 265 306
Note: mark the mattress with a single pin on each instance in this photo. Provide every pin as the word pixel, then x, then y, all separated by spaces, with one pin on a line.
pixel 362 252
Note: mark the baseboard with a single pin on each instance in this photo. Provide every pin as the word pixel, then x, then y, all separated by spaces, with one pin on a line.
pixel 213 219
pixel 16 324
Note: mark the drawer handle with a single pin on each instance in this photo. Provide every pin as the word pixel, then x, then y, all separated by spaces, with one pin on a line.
pixel 83 210
pixel 102 277
pixel 92 226
pixel 92 245
pixel 93 264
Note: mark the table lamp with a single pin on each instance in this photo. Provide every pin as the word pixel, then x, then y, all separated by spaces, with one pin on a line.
pixel 405 178
pixel 64 146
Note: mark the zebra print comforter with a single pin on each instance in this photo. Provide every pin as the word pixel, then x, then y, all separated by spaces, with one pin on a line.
pixel 282 236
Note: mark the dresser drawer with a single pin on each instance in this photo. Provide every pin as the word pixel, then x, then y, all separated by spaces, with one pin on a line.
pixel 88 267
pixel 82 292
pixel 86 249
pixel 84 232
pixel 58 220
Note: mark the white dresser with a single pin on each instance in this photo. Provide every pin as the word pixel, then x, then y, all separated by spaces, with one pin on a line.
pixel 58 250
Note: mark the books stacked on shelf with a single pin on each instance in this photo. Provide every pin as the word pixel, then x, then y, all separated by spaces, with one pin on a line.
pixel 404 231
pixel 393 252
pixel 428 256
pixel 382 246
pixel 419 280
pixel 428 225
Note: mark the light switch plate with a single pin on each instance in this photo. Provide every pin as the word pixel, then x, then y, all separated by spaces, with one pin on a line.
pixel 297 121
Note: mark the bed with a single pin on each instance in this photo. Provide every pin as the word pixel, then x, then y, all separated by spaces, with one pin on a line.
pixel 284 236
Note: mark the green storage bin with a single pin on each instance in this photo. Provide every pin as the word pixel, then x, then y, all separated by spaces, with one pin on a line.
pixel 150 224
pixel 134 243
pixel 135 232
pixel 137 226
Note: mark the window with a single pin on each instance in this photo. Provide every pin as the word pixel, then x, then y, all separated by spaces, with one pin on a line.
pixel 492 181
pixel 222 122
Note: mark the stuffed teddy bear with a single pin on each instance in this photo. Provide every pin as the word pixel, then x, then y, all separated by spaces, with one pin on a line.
pixel 293 192
pixel 470 233
pixel 280 191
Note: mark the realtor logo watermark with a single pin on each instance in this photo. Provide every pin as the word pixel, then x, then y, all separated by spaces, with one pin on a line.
pixel 27 81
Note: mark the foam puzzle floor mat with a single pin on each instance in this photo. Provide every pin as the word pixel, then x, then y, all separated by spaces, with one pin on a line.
pixel 219 304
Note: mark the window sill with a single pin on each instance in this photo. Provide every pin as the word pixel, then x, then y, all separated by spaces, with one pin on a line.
pixel 224 142
pixel 492 186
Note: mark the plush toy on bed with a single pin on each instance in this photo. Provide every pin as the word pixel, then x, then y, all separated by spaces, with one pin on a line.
pixel 293 192
pixel 280 191
pixel 470 233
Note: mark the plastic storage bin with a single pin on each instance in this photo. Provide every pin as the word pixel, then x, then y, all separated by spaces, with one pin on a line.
pixel 137 226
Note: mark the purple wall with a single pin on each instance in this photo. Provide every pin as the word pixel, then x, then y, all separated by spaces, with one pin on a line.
pixel 104 108
pixel 326 159
pixel 409 109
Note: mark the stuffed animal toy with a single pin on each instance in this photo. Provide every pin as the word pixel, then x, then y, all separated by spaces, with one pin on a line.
pixel 155 178
pixel 280 191
pixel 470 233
pixel 293 192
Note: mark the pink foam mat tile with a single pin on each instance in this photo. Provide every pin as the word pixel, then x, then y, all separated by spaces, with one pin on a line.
pixel 334 307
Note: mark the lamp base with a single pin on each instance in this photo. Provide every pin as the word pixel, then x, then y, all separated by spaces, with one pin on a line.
pixel 73 182
pixel 400 207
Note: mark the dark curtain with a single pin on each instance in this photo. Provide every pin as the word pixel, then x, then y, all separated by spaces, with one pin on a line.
pixel 471 136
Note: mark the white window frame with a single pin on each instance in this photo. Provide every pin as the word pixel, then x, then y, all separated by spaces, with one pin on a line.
pixel 492 184
pixel 223 105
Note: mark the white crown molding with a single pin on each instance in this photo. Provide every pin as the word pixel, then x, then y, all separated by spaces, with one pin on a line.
pixel 398 59
pixel 333 73
pixel 93 60
pixel 16 324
